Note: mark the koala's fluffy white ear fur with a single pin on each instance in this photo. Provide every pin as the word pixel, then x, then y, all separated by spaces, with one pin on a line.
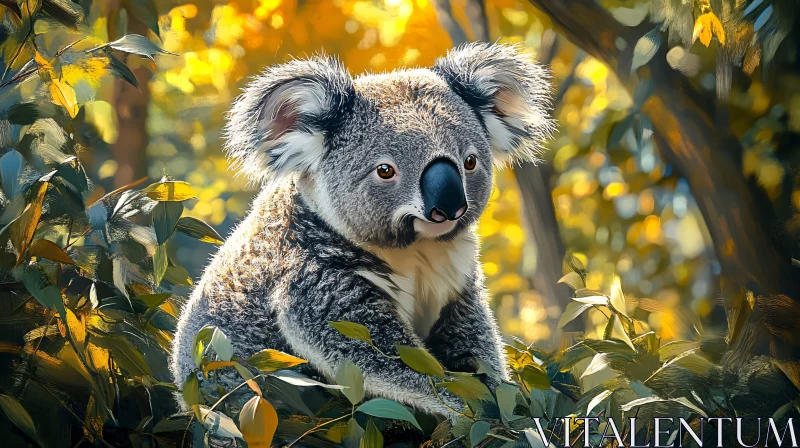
pixel 510 93
pixel 279 123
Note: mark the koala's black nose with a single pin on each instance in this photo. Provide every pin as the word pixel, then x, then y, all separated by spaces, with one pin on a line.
pixel 442 191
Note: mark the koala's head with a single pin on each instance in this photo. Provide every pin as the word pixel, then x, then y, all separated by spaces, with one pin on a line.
pixel 389 159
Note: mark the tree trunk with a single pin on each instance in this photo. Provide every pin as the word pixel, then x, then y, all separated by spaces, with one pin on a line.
pixel 541 224
pixel 706 156
pixel 130 149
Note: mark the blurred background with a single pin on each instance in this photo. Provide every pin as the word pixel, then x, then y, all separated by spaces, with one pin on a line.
pixel 675 197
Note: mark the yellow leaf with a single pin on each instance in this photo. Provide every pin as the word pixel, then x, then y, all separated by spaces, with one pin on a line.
pixel 270 360
pixel 24 227
pixel 50 250
pixel 258 422
pixel 248 378
pixel 420 360
pixel 45 67
pixel 97 357
pixel 172 191
pixel 76 329
pixel 706 26
pixel 63 95
pixel 214 365
pixel 617 298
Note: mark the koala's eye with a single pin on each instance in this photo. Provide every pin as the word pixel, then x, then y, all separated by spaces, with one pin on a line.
pixel 386 171
pixel 470 162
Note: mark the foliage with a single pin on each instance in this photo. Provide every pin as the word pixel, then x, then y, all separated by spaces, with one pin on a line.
pixel 89 294
pixel 625 373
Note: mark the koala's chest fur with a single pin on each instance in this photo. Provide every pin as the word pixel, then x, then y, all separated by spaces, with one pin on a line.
pixel 426 276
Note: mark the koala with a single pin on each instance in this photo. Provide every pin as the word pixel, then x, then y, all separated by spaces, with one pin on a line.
pixel 371 190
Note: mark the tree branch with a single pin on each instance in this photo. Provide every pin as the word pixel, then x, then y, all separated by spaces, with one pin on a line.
pixel 703 154
pixel 444 14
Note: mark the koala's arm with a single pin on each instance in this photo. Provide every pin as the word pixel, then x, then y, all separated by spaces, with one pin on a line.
pixel 305 322
pixel 466 331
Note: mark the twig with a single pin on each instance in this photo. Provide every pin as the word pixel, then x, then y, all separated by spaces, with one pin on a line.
pixel 316 428
pixel 436 394
pixel 453 441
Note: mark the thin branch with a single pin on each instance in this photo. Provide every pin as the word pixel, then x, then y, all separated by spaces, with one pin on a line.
pixel 435 393
pixel 316 428
pixel 444 14
pixel 476 13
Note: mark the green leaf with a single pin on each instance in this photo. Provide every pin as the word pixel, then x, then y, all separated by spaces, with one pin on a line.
pixel 165 218
pixel 649 400
pixel 49 297
pixel 573 279
pixel 535 440
pixel 617 298
pixel 12 165
pixel 270 360
pixel 352 438
pixel 372 437
pixel 154 300
pixel 592 300
pixel 198 230
pixel 222 345
pixel 204 335
pixel 160 262
pixel 597 400
pixel 385 408
pixel 121 70
pixel 420 360
pixel 572 311
pixel 675 348
pixel 467 387
pixel 197 353
pixel 177 276
pixel 646 48
pixel 598 363
pixel 219 424
pixel 350 376
pixel 288 394
pixel 506 400
pixel 478 432
pixel 617 331
pixel 19 417
pixel 352 330
pixel 248 376
pixel 126 355
pixel 134 44
pixel 191 390
pixel 535 377
pixel 298 379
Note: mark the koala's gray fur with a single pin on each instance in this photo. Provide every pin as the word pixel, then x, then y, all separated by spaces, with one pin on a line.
pixel 327 240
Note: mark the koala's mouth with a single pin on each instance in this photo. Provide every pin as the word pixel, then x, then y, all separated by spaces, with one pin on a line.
pixel 433 229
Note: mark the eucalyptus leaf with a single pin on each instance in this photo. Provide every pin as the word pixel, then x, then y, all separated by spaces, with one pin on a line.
pixel 385 408
pixel 420 360
pixel 17 415
pixel 477 432
pixel 350 376
pixel 135 44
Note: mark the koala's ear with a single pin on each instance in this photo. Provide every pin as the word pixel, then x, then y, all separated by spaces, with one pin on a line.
pixel 279 124
pixel 510 93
